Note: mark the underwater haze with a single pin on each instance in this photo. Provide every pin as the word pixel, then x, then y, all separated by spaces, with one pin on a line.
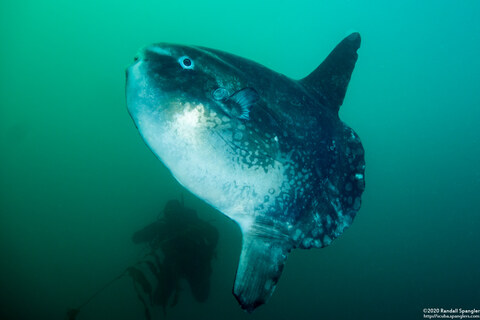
pixel 77 180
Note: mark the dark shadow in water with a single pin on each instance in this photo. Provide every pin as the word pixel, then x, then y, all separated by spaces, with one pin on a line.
pixel 181 246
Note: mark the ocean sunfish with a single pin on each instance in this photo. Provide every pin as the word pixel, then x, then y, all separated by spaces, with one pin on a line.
pixel 267 151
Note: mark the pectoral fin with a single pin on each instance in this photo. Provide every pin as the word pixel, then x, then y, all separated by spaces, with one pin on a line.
pixel 242 101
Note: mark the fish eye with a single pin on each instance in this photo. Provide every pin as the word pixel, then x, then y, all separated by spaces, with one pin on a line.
pixel 186 62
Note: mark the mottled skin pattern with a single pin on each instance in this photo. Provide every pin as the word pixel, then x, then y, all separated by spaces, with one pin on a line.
pixel 291 175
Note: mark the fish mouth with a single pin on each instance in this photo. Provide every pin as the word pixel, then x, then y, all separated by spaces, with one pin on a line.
pixel 132 69
pixel 135 89
pixel 139 57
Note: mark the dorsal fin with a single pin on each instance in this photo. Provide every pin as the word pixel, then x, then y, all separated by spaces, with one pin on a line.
pixel 329 81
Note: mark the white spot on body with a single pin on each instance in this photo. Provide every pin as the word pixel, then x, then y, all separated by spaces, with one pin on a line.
pixel 160 51
pixel 238 136
pixel 307 242
pixel 297 234
pixel 328 221
pixel 268 284
pixel 327 240
pixel 356 203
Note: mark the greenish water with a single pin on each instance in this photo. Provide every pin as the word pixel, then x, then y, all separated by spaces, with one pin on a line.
pixel 76 179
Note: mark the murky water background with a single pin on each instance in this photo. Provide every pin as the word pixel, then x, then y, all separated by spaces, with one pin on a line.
pixel 76 180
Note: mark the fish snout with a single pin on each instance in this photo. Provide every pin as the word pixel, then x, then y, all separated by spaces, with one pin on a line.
pixel 151 52
pixel 133 66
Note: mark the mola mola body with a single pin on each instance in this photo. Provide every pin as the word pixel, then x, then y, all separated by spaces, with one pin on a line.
pixel 267 151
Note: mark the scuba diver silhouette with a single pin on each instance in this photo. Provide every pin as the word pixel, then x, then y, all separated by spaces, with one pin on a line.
pixel 187 244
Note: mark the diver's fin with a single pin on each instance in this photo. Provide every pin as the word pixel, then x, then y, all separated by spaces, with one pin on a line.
pixel 261 264
pixel 328 83
pixel 176 297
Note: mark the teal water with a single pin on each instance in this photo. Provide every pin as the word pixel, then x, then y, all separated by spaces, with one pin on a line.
pixel 76 179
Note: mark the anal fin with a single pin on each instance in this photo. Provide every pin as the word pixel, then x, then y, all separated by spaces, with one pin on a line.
pixel 260 266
